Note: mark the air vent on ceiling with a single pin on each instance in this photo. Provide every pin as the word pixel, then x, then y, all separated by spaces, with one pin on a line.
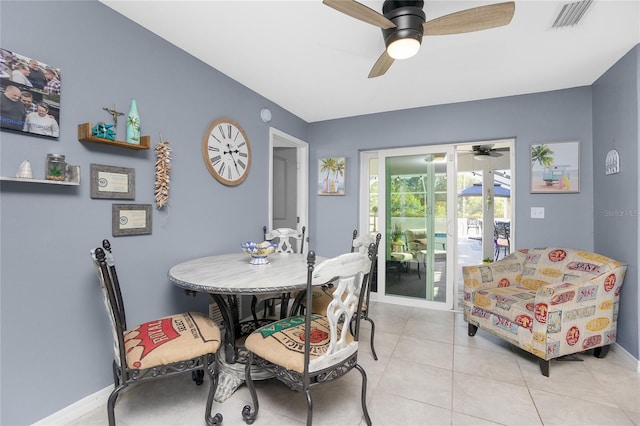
pixel 571 13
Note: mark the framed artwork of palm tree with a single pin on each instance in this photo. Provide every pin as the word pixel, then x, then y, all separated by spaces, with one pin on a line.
pixel 331 175
pixel 555 167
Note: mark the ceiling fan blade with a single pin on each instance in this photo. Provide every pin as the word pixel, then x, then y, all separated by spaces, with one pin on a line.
pixel 361 12
pixel 469 20
pixel 382 65
pixel 486 147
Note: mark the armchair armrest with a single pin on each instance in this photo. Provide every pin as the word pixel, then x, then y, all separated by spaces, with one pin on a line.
pixel 583 311
pixel 417 245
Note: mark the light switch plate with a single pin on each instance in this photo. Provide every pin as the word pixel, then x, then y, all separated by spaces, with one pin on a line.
pixel 537 212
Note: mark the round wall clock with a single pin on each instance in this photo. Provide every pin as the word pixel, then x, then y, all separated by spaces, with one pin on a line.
pixel 226 152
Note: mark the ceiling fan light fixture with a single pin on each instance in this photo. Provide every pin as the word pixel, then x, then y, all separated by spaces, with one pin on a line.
pixel 404 40
pixel 403 48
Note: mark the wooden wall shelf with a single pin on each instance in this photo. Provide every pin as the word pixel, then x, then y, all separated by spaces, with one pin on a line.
pixel 84 135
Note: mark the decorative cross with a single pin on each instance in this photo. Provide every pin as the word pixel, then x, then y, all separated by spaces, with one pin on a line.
pixel 114 113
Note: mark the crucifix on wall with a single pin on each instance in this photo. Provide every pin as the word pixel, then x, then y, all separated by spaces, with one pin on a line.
pixel 114 114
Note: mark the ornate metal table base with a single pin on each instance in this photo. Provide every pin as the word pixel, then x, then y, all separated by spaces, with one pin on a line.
pixel 231 376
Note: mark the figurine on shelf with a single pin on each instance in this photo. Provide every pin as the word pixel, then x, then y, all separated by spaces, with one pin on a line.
pixel 114 114
pixel 105 131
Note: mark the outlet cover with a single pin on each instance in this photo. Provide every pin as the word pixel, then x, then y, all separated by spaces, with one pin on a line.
pixel 537 212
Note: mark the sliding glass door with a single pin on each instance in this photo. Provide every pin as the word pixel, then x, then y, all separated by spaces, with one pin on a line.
pixel 411 202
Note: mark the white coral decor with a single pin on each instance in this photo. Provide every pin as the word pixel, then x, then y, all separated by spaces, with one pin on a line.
pixel 24 171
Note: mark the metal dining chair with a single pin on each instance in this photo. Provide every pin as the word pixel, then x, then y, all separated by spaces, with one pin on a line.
pixel 502 236
pixel 357 245
pixel 322 295
pixel 287 240
pixel 176 344
pixel 309 350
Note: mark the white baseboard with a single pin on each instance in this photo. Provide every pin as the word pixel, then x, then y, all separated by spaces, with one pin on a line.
pixel 627 357
pixel 78 408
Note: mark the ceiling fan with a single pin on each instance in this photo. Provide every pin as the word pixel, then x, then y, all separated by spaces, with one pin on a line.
pixel 403 25
pixel 487 151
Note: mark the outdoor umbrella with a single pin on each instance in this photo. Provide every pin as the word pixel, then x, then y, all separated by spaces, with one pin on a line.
pixel 476 190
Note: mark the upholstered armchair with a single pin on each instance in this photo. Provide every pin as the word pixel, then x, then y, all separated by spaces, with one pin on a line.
pixel 416 240
pixel 550 302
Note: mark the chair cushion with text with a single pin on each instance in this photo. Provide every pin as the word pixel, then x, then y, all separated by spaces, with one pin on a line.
pixel 282 342
pixel 171 339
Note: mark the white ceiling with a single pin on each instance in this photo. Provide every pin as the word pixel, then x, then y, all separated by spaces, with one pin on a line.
pixel 313 60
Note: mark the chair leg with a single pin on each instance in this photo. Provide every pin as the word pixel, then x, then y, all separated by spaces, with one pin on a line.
pixel 209 362
pixel 363 397
pixel 472 329
pixel 254 303
pixel 373 333
pixel 197 376
pixel 267 308
pixel 601 352
pixel 544 367
pixel 111 403
pixel 307 394
pixel 365 316
pixel 284 305
pixel 247 415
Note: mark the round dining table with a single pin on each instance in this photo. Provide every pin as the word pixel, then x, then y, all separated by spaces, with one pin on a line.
pixel 227 276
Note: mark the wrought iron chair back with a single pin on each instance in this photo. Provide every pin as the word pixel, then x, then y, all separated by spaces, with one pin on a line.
pixel 289 240
pixel 125 374
pixel 502 234
pixel 370 242
pixel 322 295
pixel 320 348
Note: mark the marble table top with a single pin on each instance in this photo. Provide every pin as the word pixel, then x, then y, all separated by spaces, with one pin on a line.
pixel 233 274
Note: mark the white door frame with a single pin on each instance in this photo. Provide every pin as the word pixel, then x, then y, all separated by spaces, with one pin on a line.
pixel 450 226
pixel 278 138
pixel 366 156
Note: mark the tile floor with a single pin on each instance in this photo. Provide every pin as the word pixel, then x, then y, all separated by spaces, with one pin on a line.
pixel 429 373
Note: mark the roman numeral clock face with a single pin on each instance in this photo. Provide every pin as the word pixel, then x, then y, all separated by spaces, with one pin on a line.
pixel 226 152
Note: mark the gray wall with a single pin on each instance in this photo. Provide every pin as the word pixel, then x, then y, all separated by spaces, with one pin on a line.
pixel 616 209
pixel 56 345
pixel 52 320
pixel 543 117
pixel 590 220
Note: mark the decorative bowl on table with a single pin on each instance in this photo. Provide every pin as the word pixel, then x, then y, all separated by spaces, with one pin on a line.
pixel 258 251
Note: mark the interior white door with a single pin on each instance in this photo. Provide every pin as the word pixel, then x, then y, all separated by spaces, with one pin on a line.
pixel 285 187
pixel 288 181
